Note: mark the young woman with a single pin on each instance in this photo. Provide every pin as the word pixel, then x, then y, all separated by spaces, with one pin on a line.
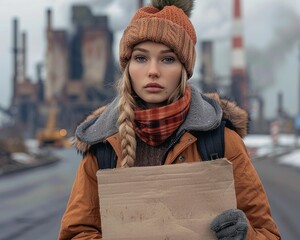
pixel 157 107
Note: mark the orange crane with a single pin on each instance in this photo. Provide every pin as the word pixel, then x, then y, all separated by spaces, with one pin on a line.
pixel 51 135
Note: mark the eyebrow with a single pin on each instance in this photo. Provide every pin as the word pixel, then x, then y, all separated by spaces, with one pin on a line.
pixel 145 50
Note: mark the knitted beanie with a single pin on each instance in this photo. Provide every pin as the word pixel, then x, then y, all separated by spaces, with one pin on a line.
pixel 166 22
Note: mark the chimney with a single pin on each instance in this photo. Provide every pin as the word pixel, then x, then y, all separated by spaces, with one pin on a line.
pixel 238 64
pixel 40 84
pixel 141 3
pixel 24 55
pixel 49 29
pixel 49 19
pixel 15 58
pixel 299 81
pixel 208 83
pixel 280 111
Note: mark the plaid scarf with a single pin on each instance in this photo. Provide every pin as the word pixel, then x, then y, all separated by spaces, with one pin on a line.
pixel 153 126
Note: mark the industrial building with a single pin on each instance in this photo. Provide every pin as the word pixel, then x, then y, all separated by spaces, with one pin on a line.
pixel 79 73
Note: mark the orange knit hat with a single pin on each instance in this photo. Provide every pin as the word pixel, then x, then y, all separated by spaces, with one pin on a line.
pixel 166 22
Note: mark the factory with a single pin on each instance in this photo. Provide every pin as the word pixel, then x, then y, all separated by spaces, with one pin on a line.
pixel 79 71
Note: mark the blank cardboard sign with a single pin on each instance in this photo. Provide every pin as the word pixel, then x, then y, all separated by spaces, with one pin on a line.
pixel 170 202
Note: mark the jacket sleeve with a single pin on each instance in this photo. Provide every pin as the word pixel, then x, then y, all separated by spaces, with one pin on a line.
pixel 251 196
pixel 81 219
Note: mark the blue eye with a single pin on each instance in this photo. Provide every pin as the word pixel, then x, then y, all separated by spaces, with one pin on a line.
pixel 140 58
pixel 168 60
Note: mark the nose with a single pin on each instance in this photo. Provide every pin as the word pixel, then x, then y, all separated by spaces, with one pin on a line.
pixel 153 71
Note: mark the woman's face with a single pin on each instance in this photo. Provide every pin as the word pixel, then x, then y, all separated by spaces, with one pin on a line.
pixel 155 72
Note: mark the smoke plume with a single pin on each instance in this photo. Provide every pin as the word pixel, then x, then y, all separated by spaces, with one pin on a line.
pixel 265 62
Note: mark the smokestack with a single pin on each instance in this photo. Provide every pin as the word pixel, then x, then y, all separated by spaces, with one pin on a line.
pixel 299 82
pixel 24 55
pixel 280 110
pixel 49 19
pixel 141 3
pixel 238 65
pixel 15 58
pixel 40 83
pixel 49 29
pixel 207 71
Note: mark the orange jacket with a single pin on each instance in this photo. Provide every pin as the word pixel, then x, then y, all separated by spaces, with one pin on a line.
pixel 81 219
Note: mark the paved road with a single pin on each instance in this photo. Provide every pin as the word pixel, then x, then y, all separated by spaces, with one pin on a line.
pixel 33 202
pixel 283 189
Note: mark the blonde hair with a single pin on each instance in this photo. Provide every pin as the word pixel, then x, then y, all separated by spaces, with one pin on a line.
pixel 127 105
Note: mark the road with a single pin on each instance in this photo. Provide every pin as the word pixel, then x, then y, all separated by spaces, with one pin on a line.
pixel 33 201
pixel 281 183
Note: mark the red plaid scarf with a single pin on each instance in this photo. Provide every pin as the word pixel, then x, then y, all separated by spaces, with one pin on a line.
pixel 155 125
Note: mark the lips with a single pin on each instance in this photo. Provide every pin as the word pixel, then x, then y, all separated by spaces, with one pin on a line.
pixel 153 85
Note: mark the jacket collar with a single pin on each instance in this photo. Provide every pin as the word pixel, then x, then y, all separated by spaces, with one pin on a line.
pixel 204 114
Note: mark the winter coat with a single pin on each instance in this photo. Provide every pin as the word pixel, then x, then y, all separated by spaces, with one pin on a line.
pixel 81 219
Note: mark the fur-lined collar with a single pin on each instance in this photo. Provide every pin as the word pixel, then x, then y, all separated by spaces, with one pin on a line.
pixel 206 112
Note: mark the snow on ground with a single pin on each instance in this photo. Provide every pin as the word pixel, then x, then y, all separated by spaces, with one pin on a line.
pixel 264 140
pixel 292 159
pixel 262 145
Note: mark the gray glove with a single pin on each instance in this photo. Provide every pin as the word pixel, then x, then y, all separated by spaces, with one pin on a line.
pixel 230 225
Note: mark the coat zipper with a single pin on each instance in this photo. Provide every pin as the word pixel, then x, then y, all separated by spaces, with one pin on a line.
pixel 174 141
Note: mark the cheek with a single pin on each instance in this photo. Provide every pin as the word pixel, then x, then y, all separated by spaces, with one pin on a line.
pixel 135 73
pixel 132 74
pixel 176 73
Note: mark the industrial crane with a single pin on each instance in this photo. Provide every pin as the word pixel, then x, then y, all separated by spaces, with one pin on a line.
pixel 51 135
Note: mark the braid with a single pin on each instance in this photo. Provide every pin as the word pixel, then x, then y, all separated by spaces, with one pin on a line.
pixel 125 121
pixel 126 118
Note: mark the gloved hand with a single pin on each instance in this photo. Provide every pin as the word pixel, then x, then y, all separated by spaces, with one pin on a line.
pixel 230 225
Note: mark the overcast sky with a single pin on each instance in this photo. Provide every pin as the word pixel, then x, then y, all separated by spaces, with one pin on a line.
pixel 271 32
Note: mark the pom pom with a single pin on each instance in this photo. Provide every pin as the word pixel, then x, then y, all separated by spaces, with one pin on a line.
pixel 186 5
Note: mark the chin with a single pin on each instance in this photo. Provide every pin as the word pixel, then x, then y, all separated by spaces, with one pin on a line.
pixel 152 104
